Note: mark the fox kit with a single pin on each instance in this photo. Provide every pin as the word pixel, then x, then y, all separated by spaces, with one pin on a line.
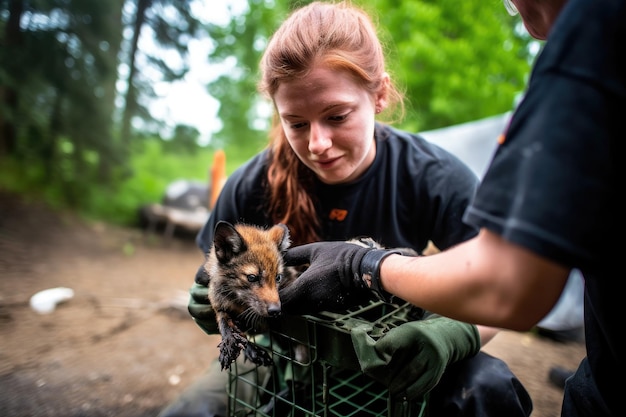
pixel 245 270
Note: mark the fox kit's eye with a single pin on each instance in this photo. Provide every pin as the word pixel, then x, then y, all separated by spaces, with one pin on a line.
pixel 279 277
pixel 253 278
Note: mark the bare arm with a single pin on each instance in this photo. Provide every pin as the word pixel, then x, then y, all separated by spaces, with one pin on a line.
pixel 486 334
pixel 485 280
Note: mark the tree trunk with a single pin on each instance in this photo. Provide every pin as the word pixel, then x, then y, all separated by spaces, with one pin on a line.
pixel 131 92
pixel 8 93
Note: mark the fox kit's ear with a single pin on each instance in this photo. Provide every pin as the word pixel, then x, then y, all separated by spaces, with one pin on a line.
pixel 227 242
pixel 280 235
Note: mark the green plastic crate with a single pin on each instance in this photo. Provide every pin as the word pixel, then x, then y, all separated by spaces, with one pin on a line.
pixel 316 372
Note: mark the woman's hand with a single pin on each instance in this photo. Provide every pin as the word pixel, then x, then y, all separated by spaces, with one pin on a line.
pixel 338 276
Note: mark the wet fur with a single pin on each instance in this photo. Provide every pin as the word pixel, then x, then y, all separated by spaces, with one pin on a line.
pixel 244 271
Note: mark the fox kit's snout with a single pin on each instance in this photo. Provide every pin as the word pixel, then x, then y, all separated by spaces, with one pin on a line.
pixel 245 270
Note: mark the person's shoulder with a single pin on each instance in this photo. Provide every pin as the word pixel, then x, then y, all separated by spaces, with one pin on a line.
pixel 399 137
pixel 417 154
pixel 395 135
pixel 249 177
pixel 413 144
pixel 254 167
pixel 402 141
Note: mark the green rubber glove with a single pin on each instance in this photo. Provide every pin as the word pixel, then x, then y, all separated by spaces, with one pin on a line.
pixel 411 358
pixel 201 310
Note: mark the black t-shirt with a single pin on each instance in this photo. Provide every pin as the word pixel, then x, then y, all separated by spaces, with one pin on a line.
pixel 413 192
pixel 552 186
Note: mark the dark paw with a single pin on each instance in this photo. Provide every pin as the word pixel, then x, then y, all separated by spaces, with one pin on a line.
pixel 230 347
pixel 257 355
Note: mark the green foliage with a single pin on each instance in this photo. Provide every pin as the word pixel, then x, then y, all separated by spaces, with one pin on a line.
pixel 183 140
pixel 25 179
pixel 456 60
pixel 154 167
pixel 242 41
pixel 54 118
pixel 152 170
pixel 171 25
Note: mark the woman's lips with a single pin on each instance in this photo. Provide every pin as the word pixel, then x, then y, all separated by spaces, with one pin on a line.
pixel 326 163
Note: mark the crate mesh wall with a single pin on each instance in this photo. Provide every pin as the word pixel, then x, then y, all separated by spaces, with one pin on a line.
pixel 316 372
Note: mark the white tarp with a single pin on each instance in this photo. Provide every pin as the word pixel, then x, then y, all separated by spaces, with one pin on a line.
pixel 474 143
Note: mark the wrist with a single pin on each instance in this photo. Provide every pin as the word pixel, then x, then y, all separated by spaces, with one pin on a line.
pixel 369 272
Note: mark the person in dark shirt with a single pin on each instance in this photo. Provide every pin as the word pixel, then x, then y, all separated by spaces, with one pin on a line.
pixel 333 172
pixel 548 203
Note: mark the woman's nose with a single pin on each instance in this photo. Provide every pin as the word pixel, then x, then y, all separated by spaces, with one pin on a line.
pixel 319 140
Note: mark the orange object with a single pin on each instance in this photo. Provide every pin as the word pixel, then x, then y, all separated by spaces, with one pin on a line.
pixel 218 176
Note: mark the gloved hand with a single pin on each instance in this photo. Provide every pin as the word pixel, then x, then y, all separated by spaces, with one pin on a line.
pixel 199 306
pixel 338 276
pixel 411 358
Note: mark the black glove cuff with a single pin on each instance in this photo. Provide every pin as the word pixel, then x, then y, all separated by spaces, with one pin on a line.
pixel 369 271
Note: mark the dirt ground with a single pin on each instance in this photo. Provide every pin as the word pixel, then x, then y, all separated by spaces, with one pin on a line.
pixel 125 345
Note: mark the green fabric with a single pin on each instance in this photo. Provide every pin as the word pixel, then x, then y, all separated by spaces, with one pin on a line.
pixel 411 358
pixel 204 316
pixel 201 310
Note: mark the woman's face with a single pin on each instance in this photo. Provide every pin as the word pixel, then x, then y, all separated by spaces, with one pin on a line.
pixel 328 120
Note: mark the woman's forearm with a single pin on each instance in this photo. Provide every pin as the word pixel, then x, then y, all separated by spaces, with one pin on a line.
pixel 485 280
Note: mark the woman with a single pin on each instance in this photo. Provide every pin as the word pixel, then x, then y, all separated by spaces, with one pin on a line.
pixel 331 172
pixel 549 203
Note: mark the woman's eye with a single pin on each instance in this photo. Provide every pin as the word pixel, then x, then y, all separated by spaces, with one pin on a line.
pixel 339 118
pixel 253 278
pixel 297 125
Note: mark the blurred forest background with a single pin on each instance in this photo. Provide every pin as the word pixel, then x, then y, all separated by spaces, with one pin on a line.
pixel 76 128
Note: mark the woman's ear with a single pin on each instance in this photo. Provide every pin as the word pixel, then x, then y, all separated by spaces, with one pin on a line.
pixel 381 96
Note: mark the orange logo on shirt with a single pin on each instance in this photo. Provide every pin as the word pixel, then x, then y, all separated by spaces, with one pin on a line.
pixel 338 214
pixel 502 136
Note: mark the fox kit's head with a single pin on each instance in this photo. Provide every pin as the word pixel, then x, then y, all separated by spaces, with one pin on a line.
pixel 245 268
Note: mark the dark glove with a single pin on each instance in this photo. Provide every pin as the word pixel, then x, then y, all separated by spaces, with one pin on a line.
pixel 201 310
pixel 338 276
pixel 411 358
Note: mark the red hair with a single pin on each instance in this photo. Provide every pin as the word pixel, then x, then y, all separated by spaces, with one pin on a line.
pixel 336 35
